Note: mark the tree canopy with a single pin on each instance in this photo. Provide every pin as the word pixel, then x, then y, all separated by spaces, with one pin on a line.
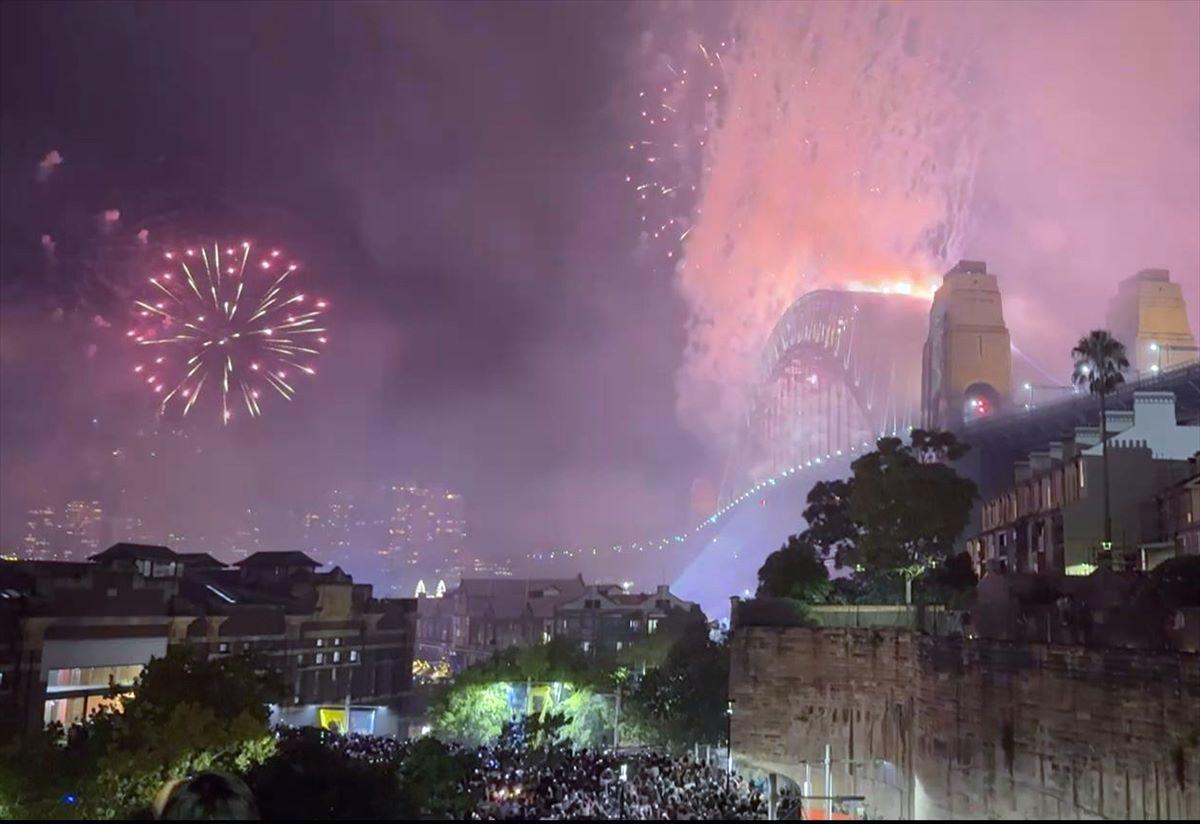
pixel 909 510
pixel 683 701
pixel 187 713
pixel 898 514
pixel 1100 360
pixel 797 571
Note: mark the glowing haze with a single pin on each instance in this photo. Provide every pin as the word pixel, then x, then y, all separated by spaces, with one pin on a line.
pixel 867 146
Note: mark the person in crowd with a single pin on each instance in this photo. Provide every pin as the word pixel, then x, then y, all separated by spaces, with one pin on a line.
pixel 208 796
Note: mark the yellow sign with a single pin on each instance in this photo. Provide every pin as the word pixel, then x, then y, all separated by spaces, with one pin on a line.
pixel 332 719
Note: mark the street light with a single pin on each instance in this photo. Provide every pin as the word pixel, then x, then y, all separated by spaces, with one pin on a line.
pixel 1029 400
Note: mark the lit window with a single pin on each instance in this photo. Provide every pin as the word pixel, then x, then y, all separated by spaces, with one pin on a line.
pixel 353 655
pixel 222 647
pixel 300 659
pixel 337 642
pixel 320 642
pixel 337 657
pixel 320 658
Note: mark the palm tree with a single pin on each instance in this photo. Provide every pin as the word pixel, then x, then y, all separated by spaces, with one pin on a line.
pixel 1099 361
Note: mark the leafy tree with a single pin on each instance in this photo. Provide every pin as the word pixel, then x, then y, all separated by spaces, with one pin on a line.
pixel 683 701
pixel 1099 362
pixel 435 780
pixel 308 779
pixel 188 713
pixel 40 778
pixel 795 571
pixel 930 445
pixel 589 719
pixel 909 512
pixel 830 527
pixel 473 713
pixel 899 513
pixel 949 582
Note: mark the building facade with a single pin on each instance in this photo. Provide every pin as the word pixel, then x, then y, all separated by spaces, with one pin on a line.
pixel 1052 517
pixel 606 618
pixel 70 632
pixel 483 616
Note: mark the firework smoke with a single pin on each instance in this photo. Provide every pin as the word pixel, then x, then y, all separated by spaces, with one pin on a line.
pixel 869 145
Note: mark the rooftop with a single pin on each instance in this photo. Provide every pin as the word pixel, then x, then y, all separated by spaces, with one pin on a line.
pixel 200 560
pixel 277 559
pixel 135 552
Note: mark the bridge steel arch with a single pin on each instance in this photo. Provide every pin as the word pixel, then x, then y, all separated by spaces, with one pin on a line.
pixel 838 369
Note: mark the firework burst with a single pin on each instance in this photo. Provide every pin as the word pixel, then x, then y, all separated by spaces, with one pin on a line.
pixel 226 322
pixel 679 108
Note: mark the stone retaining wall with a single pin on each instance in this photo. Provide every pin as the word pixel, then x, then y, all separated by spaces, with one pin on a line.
pixel 941 727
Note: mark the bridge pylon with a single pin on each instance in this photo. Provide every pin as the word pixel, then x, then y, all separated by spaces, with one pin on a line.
pixel 967 366
pixel 1149 315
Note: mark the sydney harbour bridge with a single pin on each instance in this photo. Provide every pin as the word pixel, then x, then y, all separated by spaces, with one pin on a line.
pixel 841 369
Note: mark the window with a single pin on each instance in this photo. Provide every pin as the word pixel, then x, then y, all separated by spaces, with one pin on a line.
pixel 300 660
pixel 320 642
pixel 320 658
pixel 652 625
pixel 337 642
pixel 337 657
pixel 77 678
pixel 67 711
pixel 587 646
pixel 222 647
pixel 353 655
pixel 619 646
pixel 663 603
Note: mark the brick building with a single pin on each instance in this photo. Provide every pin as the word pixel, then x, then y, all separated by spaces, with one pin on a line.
pixel 1052 518
pixel 71 631
pixel 606 618
pixel 484 615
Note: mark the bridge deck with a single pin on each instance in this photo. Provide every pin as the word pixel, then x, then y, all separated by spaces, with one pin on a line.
pixel 1000 441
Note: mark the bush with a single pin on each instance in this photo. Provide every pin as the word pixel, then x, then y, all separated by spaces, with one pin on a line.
pixel 309 779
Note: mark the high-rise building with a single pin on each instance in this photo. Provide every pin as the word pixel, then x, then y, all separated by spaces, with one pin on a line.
pixel 131 529
pixel 247 538
pixel 43 535
pixel 427 528
pixel 83 529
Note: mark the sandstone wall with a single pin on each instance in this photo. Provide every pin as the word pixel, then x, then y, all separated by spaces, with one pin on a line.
pixel 934 728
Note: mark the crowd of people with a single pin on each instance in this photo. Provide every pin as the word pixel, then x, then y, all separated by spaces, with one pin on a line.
pixel 516 782
pixel 595 784
pixel 374 749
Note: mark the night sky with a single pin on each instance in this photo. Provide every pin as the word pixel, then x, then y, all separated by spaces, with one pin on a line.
pixel 453 176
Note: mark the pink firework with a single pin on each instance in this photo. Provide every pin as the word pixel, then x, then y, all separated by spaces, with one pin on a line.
pixel 227 322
